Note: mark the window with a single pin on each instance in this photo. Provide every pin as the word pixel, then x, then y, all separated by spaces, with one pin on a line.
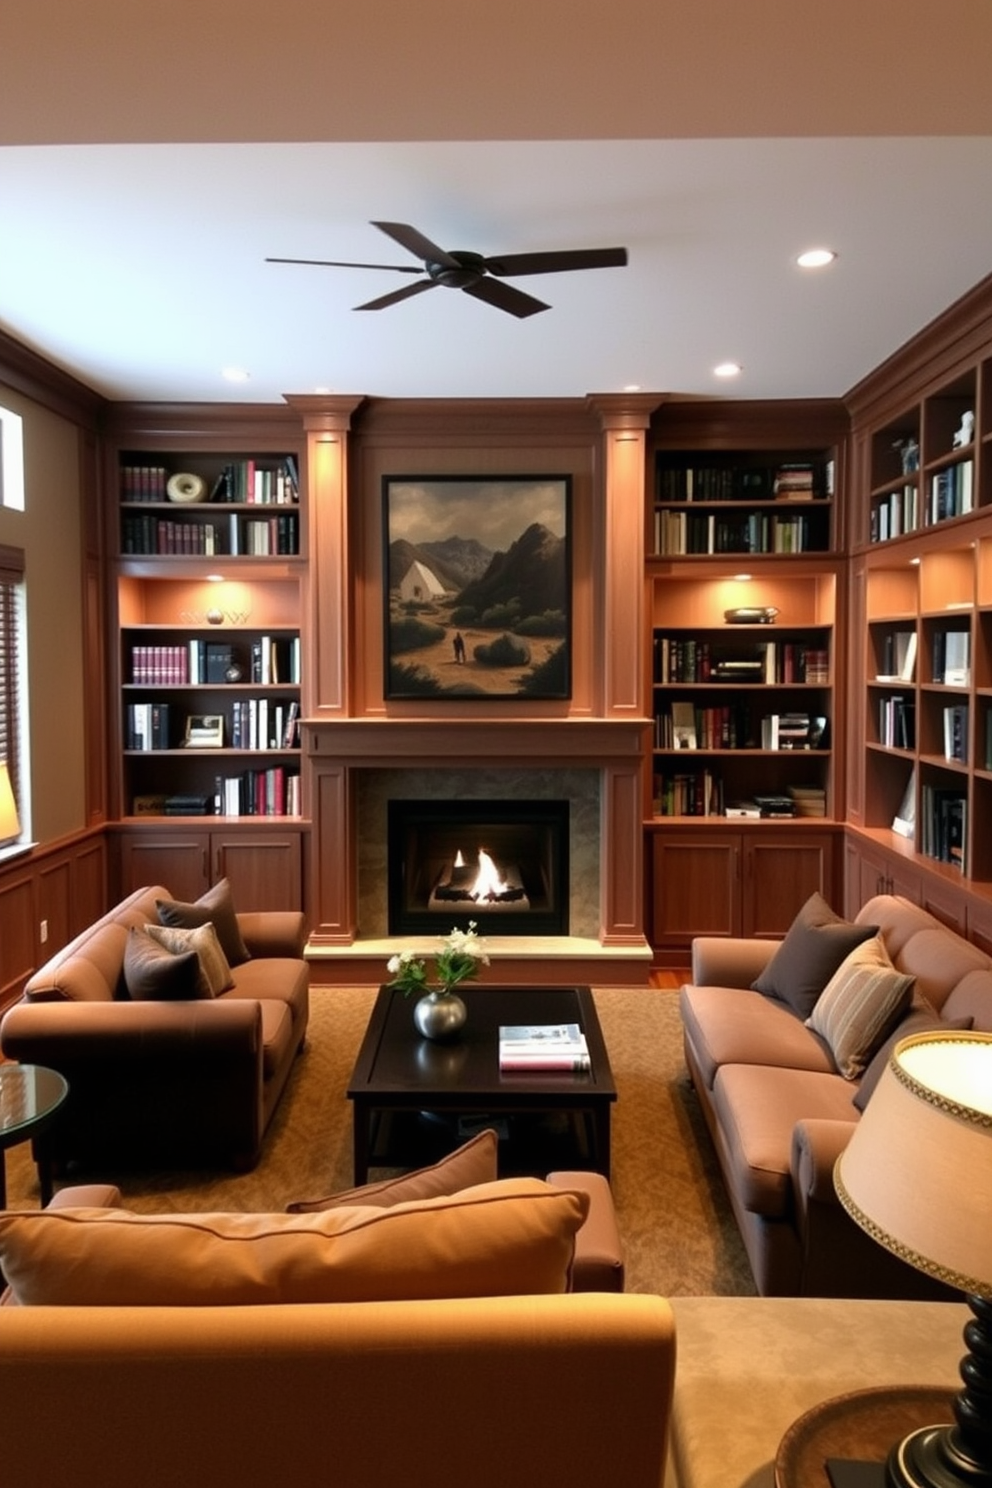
pixel 11 460
pixel 11 630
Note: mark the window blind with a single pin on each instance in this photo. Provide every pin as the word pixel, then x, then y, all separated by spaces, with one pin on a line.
pixel 11 582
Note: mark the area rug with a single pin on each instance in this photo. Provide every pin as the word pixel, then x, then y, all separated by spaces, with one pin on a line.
pixel 679 1236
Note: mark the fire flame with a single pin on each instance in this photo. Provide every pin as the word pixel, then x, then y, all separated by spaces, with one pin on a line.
pixel 488 883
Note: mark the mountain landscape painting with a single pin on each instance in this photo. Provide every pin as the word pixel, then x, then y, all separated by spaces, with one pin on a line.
pixel 478 587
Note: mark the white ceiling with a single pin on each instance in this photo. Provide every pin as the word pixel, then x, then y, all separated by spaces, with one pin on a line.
pixel 137 263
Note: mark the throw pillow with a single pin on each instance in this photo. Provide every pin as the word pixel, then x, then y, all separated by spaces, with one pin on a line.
pixel 859 1005
pixel 468 1166
pixel 921 1018
pixel 154 974
pixel 814 946
pixel 214 972
pixel 509 1238
pixel 215 906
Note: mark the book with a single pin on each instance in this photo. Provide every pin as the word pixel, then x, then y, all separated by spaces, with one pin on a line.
pixel 957 658
pixel 684 726
pixel 904 821
pixel 543 1046
pixel 742 808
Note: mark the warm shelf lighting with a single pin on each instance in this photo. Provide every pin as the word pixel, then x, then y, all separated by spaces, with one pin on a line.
pixel 816 258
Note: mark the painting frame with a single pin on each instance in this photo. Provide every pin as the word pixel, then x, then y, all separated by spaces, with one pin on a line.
pixel 477 587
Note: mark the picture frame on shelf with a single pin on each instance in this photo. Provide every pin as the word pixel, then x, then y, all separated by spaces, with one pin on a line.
pixel 205 731
pixel 477 587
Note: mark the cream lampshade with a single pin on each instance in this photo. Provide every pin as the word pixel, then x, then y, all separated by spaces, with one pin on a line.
pixel 917 1175
pixel 10 826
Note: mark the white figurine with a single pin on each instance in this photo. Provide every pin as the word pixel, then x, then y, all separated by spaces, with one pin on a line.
pixel 966 431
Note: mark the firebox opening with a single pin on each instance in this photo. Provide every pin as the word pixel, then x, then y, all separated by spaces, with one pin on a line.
pixel 503 864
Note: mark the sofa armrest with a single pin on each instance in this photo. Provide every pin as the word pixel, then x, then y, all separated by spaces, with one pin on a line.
pixel 61 1033
pixel 274 932
pixel 816 1146
pixel 597 1265
pixel 722 961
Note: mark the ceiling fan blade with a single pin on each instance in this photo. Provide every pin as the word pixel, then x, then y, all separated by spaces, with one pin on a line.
pixel 334 263
pixel 405 293
pixel 415 242
pixel 557 263
pixel 505 297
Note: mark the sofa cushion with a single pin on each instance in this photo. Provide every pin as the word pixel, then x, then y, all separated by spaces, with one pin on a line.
pixel 215 906
pixel 154 973
pixel 859 1005
pixel 920 1018
pixel 814 946
pixel 214 971
pixel 514 1237
pixel 731 1025
pixel 466 1167
pixel 757 1110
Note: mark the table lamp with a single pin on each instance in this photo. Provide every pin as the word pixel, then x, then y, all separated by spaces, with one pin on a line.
pixel 917 1175
pixel 10 826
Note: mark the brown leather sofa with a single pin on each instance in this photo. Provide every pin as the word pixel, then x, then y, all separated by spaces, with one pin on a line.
pixel 164 1083
pixel 779 1113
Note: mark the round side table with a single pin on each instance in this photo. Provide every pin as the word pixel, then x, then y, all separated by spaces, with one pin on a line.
pixel 30 1099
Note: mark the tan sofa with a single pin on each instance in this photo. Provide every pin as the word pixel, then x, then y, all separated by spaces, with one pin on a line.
pixel 779 1113
pixel 177 1083
pixel 463 1390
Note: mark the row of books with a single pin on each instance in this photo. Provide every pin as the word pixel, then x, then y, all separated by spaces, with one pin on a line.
pixel 951 657
pixel 791 480
pixel 533 1048
pixel 952 492
pixel 684 726
pixel 147 726
pixel 898 656
pixel 955 731
pixel 943 825
pixel 233 536
pixel 266 660
pixel 897 722
pixel 259 723
pixel 254 723
pixel 793 730
pixel 271 792
pixel 895 513
pixel 688 793
pixel 686 659
pixel 680 532
pixel 246 481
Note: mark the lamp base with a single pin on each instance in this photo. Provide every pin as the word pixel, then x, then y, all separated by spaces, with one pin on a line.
pixel 932 1458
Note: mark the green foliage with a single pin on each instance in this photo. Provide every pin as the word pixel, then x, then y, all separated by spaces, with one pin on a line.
pixel 412 681
pixel 504 651
pixel 506 614
pixel 412 634
pixel 549 623
pixel 550 679
pixel 464 615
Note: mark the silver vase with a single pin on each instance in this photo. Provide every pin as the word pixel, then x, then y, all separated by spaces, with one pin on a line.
pixel 440 1015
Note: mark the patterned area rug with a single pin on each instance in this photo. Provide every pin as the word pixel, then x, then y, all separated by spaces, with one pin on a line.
pixel 679 1236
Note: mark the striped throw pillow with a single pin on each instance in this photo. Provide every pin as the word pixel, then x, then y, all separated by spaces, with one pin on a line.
pixel 860 1005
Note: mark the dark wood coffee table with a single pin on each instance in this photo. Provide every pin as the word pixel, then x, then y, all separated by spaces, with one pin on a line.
pixel 415 1100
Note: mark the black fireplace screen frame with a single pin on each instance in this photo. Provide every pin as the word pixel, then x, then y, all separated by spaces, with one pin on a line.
pixel 418 835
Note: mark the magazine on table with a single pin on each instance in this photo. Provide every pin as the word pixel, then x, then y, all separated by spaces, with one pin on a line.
pixel 543 1046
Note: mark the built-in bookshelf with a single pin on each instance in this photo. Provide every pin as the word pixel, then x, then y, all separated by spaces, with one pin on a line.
pixel 927 464
pixel 742 712
pixel 716 502
pixel 209 506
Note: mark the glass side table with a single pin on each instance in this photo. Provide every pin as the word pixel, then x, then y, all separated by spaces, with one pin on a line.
pixel 30 1099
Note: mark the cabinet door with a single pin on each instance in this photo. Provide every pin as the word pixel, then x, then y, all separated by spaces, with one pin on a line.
pixel 780 873
pixel 696 887
pixel 265 868
pixel 178 860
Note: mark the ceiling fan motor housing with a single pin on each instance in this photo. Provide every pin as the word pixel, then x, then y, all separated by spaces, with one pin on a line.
pixel 469 269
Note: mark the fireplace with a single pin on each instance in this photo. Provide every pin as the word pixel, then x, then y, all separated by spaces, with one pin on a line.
pixel 501 863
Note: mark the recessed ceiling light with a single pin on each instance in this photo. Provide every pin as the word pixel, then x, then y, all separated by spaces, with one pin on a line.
pixel 235 374
pixel 816 258
pixel 215 578
pixel 727 369
pixel 632 387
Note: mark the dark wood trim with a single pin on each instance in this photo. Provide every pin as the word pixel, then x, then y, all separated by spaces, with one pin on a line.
pixel 32 375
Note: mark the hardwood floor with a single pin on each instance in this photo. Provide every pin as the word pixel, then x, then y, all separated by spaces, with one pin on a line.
pixel 671 980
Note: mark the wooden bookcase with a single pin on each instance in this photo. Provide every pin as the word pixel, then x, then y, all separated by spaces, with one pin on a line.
pixel 206 612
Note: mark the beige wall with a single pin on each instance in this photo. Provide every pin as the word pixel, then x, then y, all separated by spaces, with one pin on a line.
pixel 49 531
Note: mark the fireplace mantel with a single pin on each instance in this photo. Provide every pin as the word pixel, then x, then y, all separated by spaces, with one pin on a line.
pixel 443 741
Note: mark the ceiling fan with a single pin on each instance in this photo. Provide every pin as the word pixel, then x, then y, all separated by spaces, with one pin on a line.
pixel 471 271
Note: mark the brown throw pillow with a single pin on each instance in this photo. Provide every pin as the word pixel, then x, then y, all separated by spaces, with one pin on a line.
pixel 466 1167
pixel 859 1005
pixel 511 1238
pixel 216 907
pixel 213 972
pixel 815 944
pixel 152 973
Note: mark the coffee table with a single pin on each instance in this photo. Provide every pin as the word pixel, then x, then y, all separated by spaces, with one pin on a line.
pixel 30 1099
pixel 414 1100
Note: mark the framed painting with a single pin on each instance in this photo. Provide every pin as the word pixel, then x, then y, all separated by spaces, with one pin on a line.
pixel 477 586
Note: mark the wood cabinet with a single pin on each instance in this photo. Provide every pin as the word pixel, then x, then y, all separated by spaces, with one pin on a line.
pixel 263 862
pixel 713 881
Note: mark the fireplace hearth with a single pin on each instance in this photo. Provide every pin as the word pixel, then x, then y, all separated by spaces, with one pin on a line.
pixel 502 864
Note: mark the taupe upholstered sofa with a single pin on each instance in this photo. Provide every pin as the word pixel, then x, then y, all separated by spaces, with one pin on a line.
pixel 780 1113
pixel 174 1082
